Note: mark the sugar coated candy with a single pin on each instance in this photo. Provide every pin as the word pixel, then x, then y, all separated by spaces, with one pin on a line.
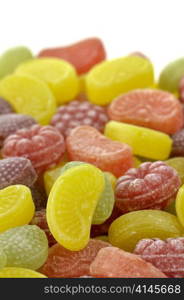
pixel 114 262
pixel 5 107
pixel 10 59
pixel 78 113
pixel 83 55
pixel 111 78
pixel 43 145
pixel 149 108
pixel 29 95
pixel 25 246
pixel 178 164
pixel 179 205
pixel 16 207
pixel 150 186
pixel 181 90
pixel 14 272
pixel 85 143
pixel 129 228
pixel 140 139
pixel 58 74
pixel 167 256
pixel 65 263
pixel 3 259
pixel 16 170
pixel 178 143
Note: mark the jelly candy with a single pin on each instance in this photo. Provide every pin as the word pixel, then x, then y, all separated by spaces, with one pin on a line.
pixel 16 207
pixel 29 95
pixel 43 145
pixel 78 113
pixel 58 74
pixel 5 107
pixel 83 55
pixel 16 170
pixel 137 162
pixel 114 262
pixel 180 205
pixel 14 272
pixel 178 164
pixel 71 205
pixel 3 259
pixel 152 185
pixel 65 263
pixel 128 229
pixel 85 143
pixel 25 246
pixel 140 139
pixel 103 238
pixel 178 143
pixel 171 75
pixel 111 78
pixel 167 256
pixel 40 220
pixel 39 196
pixel 10 59
pixel 150 108
pixel 10 123
pixel 181 89
pixel 51 175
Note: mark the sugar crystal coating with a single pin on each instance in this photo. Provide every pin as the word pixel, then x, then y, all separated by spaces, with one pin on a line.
pixel 5 107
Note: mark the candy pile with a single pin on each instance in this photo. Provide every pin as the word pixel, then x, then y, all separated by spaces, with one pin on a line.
pixel 91 165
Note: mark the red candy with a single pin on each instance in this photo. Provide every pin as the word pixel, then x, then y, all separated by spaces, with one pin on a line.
pixel 65 263
pixel 43 145
pixel 86 144
pixel 154 109
pixel 5 107
pixel 16 170
pixel 178 143
pixel 78 113
pixel 83 55
pixel 167 256
pixel 114 262
pixel 151 186
pixel 10 123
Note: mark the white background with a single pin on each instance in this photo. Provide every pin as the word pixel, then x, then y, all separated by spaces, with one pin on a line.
pixel 153 27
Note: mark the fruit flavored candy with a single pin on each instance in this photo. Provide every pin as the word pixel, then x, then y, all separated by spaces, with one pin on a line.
pixel 5 107
pixel 103 238
pixel 128 229
pixel 10 59
pixel 178 164
pixel 58 74
pixel 10 123
pixel 71 205
pixel 137 162
pixel 78 113
pixel 25 246
pixel 171 75
pixel 179 205
pixel 43 145
pixel 150 108
pixel 114 262
pixel 178 143
pixel 40 220
pixel 111 78
pixel 16 207
pixel 167 256
pixel 16 170
pixel 39 195
pixel 83 55
pixel 145 142
pixel 85 143
pixel 3 259
pixel 181 90
pixel 19 273
pixel 150 186
pixel 65 263
pixel 29 95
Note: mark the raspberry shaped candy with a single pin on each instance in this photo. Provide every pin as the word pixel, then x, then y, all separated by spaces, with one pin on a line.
pixel 5 107
pixel 16 170
pixel 178 143
pixel 151 186
pixel 10 123
pixel 167 256
pixel 78 113
pixel 43 145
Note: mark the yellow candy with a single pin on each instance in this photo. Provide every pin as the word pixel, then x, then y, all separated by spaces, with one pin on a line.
pixel 16 207
pixel 137 162
pixel 19 273
pixel 145 142
pixel 102 238
pixel 30 96
pixel 180 205
pixel 82 83
pixel 60 76
pixel 111 78
pixel 128 229
pixel 112 178
pixel 71 205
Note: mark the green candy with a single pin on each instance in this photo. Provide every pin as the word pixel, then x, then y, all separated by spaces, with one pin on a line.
pixel 178 164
